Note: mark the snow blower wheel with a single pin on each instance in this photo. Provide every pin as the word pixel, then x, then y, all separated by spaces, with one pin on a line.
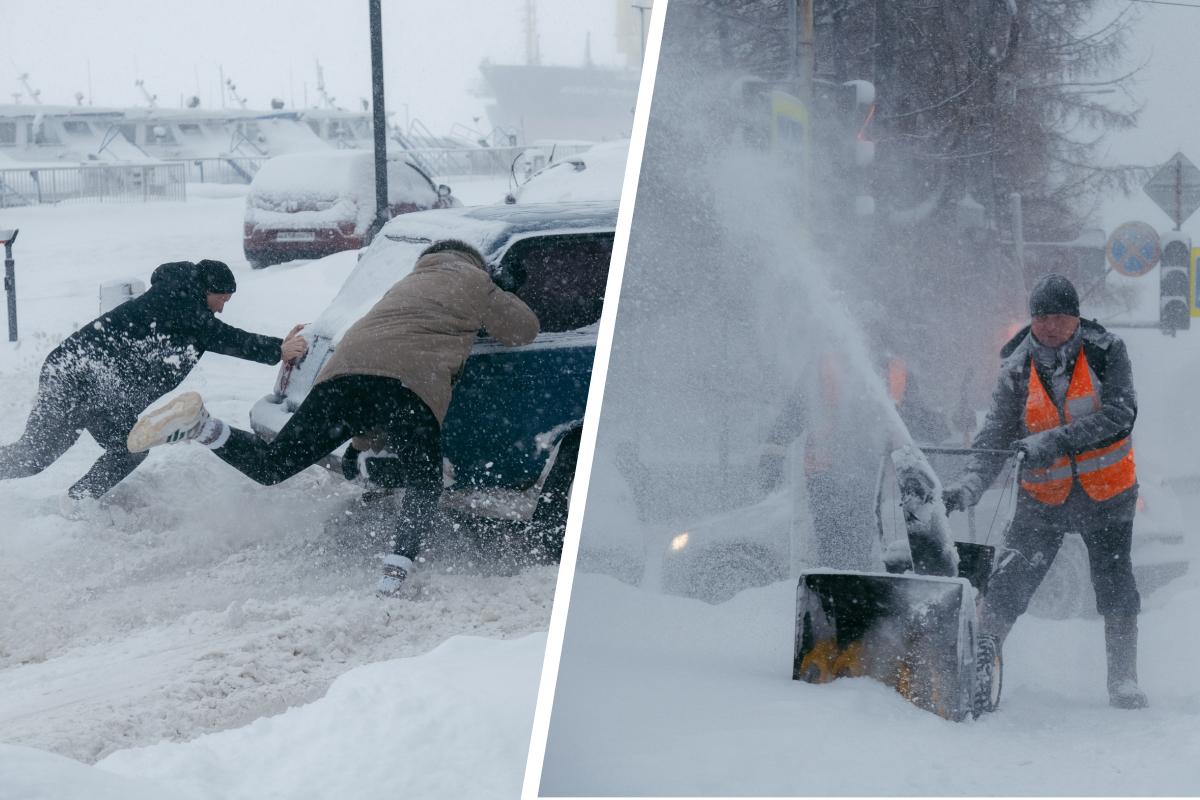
pixel 989 676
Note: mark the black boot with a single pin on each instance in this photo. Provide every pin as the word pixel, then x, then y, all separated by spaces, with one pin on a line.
pixel 1120 641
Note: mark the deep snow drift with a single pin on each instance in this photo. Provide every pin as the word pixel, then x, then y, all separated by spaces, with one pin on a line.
pixel 193 600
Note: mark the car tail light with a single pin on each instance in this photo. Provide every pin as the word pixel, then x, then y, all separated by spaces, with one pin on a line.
pixel 346 228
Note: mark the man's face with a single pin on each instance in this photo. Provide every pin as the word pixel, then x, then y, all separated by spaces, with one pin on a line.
pixel 216 302
pixel 1053 330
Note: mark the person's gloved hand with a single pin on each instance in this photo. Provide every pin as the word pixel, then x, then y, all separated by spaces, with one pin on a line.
pixel 770 466
pixel 1040 449
pixel 957 498
pixel 350 462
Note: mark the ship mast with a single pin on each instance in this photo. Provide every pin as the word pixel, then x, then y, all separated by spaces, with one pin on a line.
pixel 325 98
pixel 533 54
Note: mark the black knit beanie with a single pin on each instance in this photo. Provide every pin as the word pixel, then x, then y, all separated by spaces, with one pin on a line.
pixel 216 277
pixel 1053 294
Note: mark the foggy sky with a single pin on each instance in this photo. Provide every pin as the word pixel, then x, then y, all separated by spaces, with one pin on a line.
pixel 432 50
pixel 1164 39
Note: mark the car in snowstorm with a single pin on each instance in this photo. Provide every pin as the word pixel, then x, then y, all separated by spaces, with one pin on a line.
pixel 761 543
pixel 597 173
pixel 511 435
pixel 310 205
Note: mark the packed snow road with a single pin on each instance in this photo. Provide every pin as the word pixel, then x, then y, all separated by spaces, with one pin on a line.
pixel 191 600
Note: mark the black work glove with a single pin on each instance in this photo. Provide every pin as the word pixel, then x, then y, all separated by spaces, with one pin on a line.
pixel 1040 449
pixel 350 462
pixel 957 498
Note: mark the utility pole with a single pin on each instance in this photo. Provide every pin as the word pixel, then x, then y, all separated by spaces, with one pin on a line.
pixel 803 57
pixel 379 114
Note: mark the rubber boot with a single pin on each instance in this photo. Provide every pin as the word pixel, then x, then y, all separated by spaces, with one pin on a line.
pixel 1120 644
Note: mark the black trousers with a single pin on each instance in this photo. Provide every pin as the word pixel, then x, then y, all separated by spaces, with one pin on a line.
pixel 1034 539
pixel 339 409
pixel 69 402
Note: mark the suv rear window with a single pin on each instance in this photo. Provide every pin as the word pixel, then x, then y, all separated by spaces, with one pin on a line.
pixel 562 278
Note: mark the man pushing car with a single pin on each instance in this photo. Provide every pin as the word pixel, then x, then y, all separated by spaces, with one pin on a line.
pixel 106 373
pixel 390 380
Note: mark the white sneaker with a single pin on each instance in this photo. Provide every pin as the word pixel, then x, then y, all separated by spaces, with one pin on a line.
pixel 180 420
pixel 396 569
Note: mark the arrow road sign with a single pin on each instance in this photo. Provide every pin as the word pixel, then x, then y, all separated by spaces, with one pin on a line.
pixel 1176 188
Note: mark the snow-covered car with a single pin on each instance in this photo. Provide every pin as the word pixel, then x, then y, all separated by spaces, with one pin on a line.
pixel 595 174
pixel 511 435
pixel 309 205
pixel 754 545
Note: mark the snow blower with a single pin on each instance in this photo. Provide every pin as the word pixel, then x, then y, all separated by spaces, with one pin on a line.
pixel 915 626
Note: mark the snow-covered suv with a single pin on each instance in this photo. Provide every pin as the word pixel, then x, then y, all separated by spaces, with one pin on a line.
pixel 511 435
pixel 309 205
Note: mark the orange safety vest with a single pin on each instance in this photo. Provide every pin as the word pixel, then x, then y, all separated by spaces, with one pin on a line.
pixel 1103 472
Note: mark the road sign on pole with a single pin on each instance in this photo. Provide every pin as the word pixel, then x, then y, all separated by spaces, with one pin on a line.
pixel 1133 249
pixel 1176 188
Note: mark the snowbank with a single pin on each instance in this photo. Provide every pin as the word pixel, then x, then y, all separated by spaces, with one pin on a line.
pixel 660 695
pixel 452 723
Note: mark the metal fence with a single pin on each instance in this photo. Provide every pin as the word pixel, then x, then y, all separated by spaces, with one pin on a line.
pixel 106 183
pixel 235 169
pixel 490 161
pixel 436 161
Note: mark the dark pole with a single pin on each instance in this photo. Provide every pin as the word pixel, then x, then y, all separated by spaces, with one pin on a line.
pixel 380 116
pixel 10 284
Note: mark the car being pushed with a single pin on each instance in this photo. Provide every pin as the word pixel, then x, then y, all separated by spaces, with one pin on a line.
pixel 310 205
pixel 511 435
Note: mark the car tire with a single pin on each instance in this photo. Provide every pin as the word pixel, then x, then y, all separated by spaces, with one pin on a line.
pixel 548 523
pixel 1067 587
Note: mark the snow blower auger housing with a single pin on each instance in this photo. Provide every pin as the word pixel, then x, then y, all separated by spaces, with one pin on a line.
pixel 916 631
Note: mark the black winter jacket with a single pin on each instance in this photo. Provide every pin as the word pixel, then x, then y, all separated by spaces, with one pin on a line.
pixel 1005 423
pixel 145 347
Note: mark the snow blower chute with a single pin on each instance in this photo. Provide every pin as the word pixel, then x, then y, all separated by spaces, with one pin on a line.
pixel 915 631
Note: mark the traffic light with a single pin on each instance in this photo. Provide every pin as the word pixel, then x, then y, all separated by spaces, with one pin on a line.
pixel 858 108
pixel 1174 287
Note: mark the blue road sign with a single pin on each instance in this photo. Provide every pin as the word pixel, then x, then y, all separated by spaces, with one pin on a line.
pixel 1133 249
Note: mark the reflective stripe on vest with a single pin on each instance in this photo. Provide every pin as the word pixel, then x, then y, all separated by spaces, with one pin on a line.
pixel 1104 472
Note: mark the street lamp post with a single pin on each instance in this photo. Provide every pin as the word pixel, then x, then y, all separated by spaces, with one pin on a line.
pixel 379 113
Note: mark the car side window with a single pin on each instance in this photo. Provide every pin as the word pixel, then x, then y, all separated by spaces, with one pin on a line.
pixel 562 278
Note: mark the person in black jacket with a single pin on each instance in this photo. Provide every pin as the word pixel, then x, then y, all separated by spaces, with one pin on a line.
pixel 106 373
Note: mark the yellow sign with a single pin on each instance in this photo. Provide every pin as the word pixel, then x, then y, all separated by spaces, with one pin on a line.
pixel 1195 290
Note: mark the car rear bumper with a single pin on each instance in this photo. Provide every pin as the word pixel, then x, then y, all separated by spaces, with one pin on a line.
pixel 264 245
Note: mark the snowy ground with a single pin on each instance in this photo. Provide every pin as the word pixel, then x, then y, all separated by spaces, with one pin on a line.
pixel 195 600
pixel 662 695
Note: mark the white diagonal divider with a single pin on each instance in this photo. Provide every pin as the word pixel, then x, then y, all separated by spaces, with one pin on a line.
pixel 591 418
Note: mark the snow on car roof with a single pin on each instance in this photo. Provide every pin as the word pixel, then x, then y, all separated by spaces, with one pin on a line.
pixel 596 174
pixel 491 227
pixel 330 172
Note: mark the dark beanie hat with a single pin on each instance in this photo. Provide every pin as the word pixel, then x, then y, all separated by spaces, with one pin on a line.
pixel 216 277
pixel 1053 294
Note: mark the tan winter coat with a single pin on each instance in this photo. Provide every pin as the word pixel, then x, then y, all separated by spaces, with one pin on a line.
pixel 422 330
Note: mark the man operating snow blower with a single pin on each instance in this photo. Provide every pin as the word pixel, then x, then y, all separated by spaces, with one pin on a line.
pixel 106 373
pixel 390 380
pixel 1065 399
